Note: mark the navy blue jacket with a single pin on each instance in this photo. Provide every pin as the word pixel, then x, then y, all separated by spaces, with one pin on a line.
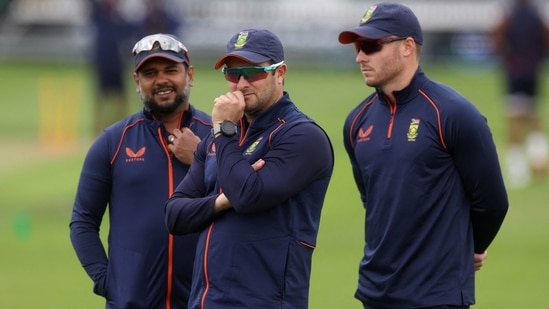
pixel 257 254
pixel 430 182
pixel 130 168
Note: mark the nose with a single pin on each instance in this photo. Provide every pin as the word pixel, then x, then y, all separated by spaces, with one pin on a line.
pixel 361 57
pixel 161 78
pixel 161 75
pixel 242 81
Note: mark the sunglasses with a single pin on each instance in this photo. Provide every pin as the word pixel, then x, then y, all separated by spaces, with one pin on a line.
pixel 373 46
pixel 251 74
pixel 160 41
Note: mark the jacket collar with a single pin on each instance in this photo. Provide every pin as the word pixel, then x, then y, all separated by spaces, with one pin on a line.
pixel 186 116
pixel 273 114
pixel 409 92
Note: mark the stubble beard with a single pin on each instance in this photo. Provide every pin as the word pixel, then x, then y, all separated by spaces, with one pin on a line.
pixel 391 70
pixel 262 100
pixel 385 77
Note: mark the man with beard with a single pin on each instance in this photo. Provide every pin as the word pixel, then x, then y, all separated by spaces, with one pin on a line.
pixel 256 188
pixel 133 167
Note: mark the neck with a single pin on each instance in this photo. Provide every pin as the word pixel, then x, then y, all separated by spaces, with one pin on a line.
pixel 401 82
pixel 172 121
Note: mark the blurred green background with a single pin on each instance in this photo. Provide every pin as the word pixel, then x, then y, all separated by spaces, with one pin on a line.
pixel 45 133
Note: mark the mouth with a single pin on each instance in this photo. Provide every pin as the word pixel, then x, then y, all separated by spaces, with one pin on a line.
pixel 163 91
pixel 247 94
pixel 365 69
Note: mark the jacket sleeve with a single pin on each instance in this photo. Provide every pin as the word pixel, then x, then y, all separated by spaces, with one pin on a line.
pixel 298 155
pixel 476 159
pixel 89 207
pixel 189 209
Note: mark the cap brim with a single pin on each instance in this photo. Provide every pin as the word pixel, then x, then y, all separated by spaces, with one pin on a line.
pixel 170 56
pixel 242 55
pixel 361 33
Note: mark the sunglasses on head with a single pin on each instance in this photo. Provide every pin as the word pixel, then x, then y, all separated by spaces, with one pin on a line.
pixel 160 41
pixel 373 46
pixel 251 73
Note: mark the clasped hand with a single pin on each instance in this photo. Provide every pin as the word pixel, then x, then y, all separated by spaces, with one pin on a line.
pixel 183 145
pixel 229 106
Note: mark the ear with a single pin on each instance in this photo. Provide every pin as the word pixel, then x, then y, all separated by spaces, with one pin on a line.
pixel 137 83
pixel 409 47
pixel 190 75
pixel 281 72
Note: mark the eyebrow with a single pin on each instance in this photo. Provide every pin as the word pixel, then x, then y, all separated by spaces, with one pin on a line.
pixel 155 68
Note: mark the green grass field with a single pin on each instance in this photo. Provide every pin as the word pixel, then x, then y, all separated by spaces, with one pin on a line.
pixel 44 135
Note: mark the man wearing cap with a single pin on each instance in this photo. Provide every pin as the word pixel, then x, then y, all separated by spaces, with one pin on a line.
pixel 426 169
pixel 133 167
pixel 256 188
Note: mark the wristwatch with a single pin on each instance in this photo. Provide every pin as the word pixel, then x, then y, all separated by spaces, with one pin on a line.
pixel 227 128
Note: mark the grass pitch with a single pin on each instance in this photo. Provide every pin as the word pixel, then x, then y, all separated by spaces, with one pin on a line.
pixel 45 133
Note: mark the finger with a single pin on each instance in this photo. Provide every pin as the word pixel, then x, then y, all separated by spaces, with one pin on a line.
pixel 239 95
pixel 222 98
pixel 257 165
pixel 187 134
pixel 233 96
pixel 176 132
pixel 184 131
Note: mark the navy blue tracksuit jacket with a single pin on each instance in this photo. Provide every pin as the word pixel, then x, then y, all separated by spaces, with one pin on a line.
pixel 257 254
pixel 130 168
pixel 430 181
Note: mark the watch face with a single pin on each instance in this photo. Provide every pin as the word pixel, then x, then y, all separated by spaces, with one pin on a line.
pixel 228 128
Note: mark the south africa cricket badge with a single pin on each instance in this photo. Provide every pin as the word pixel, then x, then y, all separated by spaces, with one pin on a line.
pixel 241 39
pixel 413 129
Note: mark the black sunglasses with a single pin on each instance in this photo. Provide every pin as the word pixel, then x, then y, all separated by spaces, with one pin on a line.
pixel 373 46
pixel 251 74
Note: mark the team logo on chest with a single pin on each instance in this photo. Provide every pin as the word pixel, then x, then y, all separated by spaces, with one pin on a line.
pixel 253 146
pixel 135 156
pixel 364 135
pixel 413 129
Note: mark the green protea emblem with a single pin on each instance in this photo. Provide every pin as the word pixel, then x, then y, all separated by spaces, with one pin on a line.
pixel 241 39
pixel 368 14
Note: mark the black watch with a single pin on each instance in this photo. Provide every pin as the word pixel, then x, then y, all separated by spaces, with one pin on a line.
pixel 227 128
